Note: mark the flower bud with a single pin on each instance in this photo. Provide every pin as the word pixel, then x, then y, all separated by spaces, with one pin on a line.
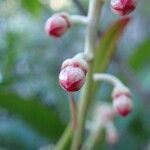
pixel 104 113
pixel 57 25
pixel 112 136
pixel 72 75
pixel 123 7
pixel 122 102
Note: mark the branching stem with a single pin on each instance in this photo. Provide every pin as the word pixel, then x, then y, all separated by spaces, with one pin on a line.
pixel 108 78
pixel 77 19
pixel 86 96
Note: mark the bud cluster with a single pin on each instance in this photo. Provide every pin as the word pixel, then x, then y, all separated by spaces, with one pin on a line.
pixel 103 117
pixel 104 113
pixel 73 71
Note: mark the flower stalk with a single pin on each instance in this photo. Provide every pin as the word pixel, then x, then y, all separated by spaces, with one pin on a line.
pixel 108 78
pixel 85 98
pixel 78 19
pixel 91 22
pixel 73 110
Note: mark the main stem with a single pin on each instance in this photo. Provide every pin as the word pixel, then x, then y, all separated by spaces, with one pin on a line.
pixel 86 95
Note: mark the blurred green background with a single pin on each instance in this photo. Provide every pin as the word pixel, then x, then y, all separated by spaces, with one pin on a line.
pixel 33 108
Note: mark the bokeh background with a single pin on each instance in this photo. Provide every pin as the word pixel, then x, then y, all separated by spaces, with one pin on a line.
pixel 33 108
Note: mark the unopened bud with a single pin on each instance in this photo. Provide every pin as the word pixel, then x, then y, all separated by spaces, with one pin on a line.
pixel 123 7
pixel 57 25
pixel 112 136
pixel 122 100
pixel 72 75
pixel 104 113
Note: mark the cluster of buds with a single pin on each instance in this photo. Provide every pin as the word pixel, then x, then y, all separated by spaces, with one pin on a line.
pixel 123 7
pixel 103 118
pixel 57 25
pixel 73 73
pixel 122 100
pixel 104 113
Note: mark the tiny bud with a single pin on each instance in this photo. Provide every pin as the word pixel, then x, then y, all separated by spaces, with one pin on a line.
pixel 111 135
pixel 72 75
pixel 104 113
pixel 122 100
pixel 123 7
pixel 57 25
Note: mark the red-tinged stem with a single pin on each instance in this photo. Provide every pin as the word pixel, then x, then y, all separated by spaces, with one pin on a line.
pixel 73 110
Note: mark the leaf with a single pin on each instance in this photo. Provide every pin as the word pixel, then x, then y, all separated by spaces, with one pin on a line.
pixel 141 57
pixel 40 117
pixel 107 45
pixel 10 57
pixel 33 6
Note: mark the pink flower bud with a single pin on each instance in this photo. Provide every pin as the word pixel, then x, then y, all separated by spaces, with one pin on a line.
pixel 122 101
pixel 104 113
pixel 57 25
pixel 123 7
pixel 112 136
pixel 72 75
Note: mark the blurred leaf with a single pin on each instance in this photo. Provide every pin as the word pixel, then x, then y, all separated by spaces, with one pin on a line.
pixel 33 6
pixel 15 134
pixel 138 129
pixel 40 117
pixel 10 57
pixel 141 56
pixel 108 43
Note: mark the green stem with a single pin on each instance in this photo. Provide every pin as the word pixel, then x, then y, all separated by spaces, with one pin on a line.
pixel 65 138
pixel 94 138
pixel 103 56
pixel 73 110
pixel 86 96
pixel 86 93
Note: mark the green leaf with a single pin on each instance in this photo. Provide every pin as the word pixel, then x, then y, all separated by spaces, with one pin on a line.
pixel 107 45
pixel 10 57
pixel 41 118
pixel 141 57
pixel 33 6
